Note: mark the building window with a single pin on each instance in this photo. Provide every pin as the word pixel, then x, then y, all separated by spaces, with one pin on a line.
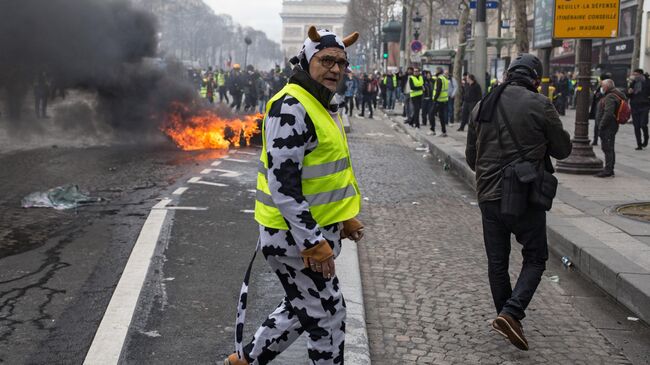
pixel 628 22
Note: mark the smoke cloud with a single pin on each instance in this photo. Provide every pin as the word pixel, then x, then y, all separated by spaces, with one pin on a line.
pixel 101 46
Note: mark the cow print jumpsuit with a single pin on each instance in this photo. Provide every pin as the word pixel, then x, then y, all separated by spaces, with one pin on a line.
pixel 312 303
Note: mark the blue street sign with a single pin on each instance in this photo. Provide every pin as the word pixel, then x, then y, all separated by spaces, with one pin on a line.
pixel 488 4
pixel 448 21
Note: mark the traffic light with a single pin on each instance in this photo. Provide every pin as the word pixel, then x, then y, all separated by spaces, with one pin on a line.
pixel 385 50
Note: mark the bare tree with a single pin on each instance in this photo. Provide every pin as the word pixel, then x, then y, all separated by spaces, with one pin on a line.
pixel 460 54
pixel 521 26
pixel 637 35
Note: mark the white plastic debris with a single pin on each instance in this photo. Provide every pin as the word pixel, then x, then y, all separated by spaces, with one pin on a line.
pixel 473 203
pixel 633 319
pixel 434 183
pixel 554 279
pixel 366 198
pixel 62 197
pixel 421 148
pixel 416 203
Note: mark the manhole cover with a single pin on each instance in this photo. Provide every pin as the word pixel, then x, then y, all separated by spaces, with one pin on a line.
pixel 638 211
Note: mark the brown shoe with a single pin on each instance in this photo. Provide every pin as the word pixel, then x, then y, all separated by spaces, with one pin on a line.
pixel 234 360
pixel 512 328
pixel 495 326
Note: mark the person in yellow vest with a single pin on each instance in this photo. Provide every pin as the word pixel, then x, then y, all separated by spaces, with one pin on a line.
pixel 307 200
pixel 493 83
pixel 551 91
pixel 440 99
pixel 220 79
pixel 390 83
pixel 416 82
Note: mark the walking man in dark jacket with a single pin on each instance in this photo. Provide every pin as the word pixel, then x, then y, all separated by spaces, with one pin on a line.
pixel 537 128
pixel 640 107
pixel 607 125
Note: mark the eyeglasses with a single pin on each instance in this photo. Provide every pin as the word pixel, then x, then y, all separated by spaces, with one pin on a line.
pixel 328 62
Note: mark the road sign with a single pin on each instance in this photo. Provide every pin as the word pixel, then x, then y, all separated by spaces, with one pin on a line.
pixel 416 46
pixel 449 21
pixel 488 4
pixel 586 19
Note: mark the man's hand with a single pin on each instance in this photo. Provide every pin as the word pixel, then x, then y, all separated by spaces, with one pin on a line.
pixel 352 229
pixel 326 267
pixel 320 258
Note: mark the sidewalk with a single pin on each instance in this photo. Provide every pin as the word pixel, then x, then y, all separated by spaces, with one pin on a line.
pixel 611 250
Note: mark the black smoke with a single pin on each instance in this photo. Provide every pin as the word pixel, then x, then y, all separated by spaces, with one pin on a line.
pixel 101 46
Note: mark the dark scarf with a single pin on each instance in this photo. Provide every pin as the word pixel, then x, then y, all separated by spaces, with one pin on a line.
pixel 316 89
pixel 490 101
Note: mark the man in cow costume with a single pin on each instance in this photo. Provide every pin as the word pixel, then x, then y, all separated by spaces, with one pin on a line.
pixel 307 200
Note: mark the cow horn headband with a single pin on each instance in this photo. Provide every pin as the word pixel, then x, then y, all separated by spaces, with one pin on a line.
pixel 318 40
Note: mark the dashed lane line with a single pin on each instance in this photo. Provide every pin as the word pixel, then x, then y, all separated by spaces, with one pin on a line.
pixel 180 191
pixel 237 160
pixel 197 180
pixel 246 153
pixel 186 208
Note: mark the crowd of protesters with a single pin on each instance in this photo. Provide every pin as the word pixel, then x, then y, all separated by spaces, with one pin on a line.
pixel 245 91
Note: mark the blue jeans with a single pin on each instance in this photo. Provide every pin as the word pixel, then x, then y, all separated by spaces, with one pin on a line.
pixel 390 98
pixel 450 110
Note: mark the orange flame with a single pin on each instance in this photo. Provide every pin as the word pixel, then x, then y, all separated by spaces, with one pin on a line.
pixel 204 129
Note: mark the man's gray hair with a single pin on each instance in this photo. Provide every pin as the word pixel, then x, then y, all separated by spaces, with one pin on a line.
pixel 609 83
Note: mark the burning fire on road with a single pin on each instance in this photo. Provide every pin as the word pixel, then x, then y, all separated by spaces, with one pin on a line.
pixel 205 129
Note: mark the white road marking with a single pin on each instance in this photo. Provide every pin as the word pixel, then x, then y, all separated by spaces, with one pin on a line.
pixel 109 338
pixel 252 191
pixel 224 173
pixel 179 191
pixel 227 173
pixel 197 180
pixel 224 156
pixel 237 160
pixel 246 153
pixel 161 204
pixel 216 163
pixel 186 208
pixel 247 211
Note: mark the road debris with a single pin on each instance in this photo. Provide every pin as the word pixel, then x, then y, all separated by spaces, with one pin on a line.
pixel 633 319
pixel 60 198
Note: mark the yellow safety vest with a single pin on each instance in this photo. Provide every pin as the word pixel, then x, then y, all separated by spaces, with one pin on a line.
pixel 221 79
pixel 204 88
pixel 328 181
pixel 444 90
pixel 417 81
pixel 394 80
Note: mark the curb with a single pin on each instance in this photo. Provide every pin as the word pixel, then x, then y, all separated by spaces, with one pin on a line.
pixel 357 351
pixel 622 279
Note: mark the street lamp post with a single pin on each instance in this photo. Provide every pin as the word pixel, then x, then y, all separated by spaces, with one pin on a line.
pixel 248 42
pixel 582 159
pixel 417 22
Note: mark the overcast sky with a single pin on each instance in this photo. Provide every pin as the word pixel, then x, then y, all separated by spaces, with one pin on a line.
pixel 263 15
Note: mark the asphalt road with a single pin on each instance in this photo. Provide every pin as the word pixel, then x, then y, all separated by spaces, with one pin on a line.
pixel 59 268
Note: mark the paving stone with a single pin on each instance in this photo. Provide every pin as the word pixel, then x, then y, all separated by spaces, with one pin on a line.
pixel 424 265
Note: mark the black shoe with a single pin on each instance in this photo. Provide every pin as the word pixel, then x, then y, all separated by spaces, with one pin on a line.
pixel 460 130
pixel 594 144
pixel 604 174
pixel 638 148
